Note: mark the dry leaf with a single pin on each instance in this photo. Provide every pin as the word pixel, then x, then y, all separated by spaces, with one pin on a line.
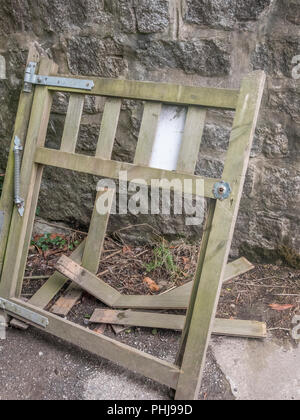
pixel 185 260
pixel 126 249
pixel 151 284
pixel 278 307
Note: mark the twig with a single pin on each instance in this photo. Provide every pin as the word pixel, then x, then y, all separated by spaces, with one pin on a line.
pixel 112 255
pixel 141 253
pixel 283 329
pixel 102 273
pixel 261 285
pixel 36 277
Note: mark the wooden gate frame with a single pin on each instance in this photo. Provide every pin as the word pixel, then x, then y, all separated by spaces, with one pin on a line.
pixel 20 129
pixel 185 375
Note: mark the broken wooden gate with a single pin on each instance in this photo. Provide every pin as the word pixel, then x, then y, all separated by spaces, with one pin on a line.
pixel 224 196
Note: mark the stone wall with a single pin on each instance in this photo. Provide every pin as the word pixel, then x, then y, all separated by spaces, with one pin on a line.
pixel 195 42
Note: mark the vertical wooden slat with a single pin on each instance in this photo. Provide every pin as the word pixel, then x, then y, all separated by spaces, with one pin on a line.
pixel 191 140
pixel 21 227
pixel 91 256
pixel 147 134
pixel 98 225
pixel 72 123
pixel 20 130
pixel 96 235
pixel 208 280
pixel 108 128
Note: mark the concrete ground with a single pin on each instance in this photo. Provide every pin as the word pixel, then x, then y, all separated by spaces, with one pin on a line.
pixel 35 366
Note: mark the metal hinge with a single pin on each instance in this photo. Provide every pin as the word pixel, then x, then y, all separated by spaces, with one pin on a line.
pixel 35 79
pixel 23 313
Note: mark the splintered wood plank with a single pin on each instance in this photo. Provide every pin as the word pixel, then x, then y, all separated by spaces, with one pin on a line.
pixel 100 345
pixel 111 169
pixel 108 128
pixel 21 227
pixel 233 269
pixel 147 133
pixel 191 141
pixel 52 286
pixel 161 92
pixel 20 130
pixel 226 327
pixel 91 255
pixel 176 299
pixel 211 268
pixel 72 123
pixel 87 281
pixel 100 329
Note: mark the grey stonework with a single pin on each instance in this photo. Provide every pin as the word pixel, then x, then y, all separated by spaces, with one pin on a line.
pixel 194 42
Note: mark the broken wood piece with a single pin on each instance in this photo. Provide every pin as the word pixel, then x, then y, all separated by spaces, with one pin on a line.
pixel 175 299
pixel 91 254
pixel 19 325
pixel 66 302
pixel 87 281
pixel 227 327
pixel 100 329
pixel 52 286
pixel 117 329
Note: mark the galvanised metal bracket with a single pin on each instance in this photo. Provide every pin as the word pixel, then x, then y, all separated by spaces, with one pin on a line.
pixel 17 152
pixel 26 314
pixel 31 78
pixel 221 190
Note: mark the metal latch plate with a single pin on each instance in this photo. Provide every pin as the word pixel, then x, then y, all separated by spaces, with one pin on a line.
pixel 24 313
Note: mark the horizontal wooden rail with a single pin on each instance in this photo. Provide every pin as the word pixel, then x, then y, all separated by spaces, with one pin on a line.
pixel 111 169
pixel 160 92
pixel 226 327
pixel 126 356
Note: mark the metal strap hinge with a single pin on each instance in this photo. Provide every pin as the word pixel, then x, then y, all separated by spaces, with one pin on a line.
pixel 31 78
pixel 23 313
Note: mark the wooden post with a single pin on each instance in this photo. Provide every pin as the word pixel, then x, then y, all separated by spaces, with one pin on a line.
pixel 208 279
pixel 31 173
pixel 20 130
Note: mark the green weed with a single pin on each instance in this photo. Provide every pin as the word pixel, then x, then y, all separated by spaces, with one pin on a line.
pixel 162 258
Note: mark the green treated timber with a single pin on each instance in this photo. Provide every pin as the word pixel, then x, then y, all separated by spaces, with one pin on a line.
pixel 72 123
pixel 21 227
pixel 147 133
pixel 98 225
pixel 54 284
pixel 108 128
pixel 87 281
pixel 91 255
pixel 212 264
pixel 50 288
pixel 191 141
pixel 100 345
pixel 160 92
pixel 111 297
pixel 111 169
pixel 226 327
pixel 20 130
